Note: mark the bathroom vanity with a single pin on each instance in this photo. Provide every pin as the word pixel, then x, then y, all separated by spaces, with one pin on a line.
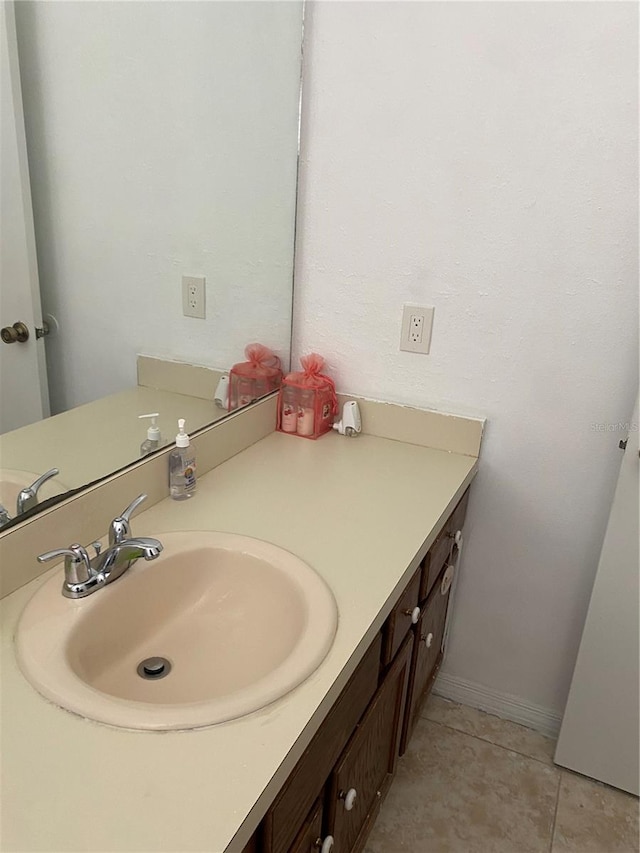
pixel 331 799
pixel 376 518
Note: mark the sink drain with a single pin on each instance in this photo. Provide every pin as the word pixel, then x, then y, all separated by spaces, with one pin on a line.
pixel 154 668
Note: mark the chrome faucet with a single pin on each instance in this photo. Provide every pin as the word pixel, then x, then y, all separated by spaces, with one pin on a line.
pixel 27 497
pixel 84 575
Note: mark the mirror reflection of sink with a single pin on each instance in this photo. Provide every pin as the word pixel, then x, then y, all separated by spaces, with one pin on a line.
pixel 218 626
pixel 12 482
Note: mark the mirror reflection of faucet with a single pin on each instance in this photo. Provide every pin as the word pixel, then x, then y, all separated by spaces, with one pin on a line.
pixel 27 497
pixel 84 575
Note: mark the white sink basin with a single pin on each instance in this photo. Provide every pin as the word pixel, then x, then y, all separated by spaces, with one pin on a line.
pixel 239 621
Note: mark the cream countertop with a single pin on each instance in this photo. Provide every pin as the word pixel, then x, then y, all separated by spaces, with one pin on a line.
pixel 359 511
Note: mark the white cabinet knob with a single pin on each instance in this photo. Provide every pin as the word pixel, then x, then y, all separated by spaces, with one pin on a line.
pixel 428 640
pixel 325 846
pixel 415 615
pixel 349 798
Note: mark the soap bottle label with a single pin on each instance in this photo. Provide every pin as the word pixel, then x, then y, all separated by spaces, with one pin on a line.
pixel 189 473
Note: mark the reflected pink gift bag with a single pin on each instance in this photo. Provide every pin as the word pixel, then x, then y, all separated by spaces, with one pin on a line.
pixel 249 380
pixel 307 401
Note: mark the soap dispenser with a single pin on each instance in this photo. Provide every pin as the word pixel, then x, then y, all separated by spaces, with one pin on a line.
pixel 152 441
pixel 182 466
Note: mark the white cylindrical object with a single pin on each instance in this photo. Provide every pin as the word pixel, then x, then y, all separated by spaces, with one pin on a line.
pixel 350 799
pixel 327 844
pixel 221 395
pixel 428 640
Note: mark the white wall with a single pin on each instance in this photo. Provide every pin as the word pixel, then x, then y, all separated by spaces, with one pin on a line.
pixel 162 141
pixel 482 158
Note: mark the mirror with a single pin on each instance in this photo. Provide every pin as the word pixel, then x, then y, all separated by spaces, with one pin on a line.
pixel 162 142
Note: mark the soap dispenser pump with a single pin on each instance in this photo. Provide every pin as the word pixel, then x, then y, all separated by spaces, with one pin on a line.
pixel 152 441
pixel 182 466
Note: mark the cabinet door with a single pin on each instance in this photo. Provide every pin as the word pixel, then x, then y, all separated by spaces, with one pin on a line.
pixel 288 813
pixel 365 769
pixel 252 845
pixel 308 839
pixel 427 651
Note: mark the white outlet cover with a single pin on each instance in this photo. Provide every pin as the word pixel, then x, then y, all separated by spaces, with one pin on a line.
pixel 193 296
pixel 424 345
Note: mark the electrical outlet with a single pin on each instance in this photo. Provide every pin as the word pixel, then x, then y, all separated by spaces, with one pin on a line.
pixel 193 299
pixel 417 324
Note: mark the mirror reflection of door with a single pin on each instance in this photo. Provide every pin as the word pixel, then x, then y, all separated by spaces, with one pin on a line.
pixel 24 396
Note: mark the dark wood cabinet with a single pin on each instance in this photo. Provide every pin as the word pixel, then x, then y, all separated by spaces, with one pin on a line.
pixel 365 769
pixel 441 551
pixel 253 846
pixel 427 653
pixel 340 781
pixel 291 807
pixel 309 838
pixel 401 618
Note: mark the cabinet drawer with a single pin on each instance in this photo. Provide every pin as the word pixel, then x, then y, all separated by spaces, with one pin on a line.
pixel 306 840
pixel 286 816
pixel 433 563
pixel 427 654
pixel 400 620
pixel 365 769
pixel 440 551
pixel 456 522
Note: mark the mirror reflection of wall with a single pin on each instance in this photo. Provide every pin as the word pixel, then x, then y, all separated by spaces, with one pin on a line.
pixel 162 142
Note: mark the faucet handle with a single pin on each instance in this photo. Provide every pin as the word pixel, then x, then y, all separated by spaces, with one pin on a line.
pixel 28 497
pixel 77 565
pixel 120 527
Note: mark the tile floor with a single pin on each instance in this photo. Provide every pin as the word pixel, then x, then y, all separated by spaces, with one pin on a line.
pixel 473 783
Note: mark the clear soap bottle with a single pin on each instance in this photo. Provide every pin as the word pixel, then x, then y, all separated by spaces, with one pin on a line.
pixel 182 467
pixel 152 441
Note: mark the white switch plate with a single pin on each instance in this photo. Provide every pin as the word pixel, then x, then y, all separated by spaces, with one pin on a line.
pixel 417 323
pixel 193 298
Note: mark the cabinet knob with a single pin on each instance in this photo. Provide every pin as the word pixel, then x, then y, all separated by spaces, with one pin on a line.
pixel 415 614
pixel 349 798
pixel 428 639
pixel 326 845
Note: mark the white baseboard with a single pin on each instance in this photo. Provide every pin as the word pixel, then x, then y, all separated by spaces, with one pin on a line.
pixel 503 705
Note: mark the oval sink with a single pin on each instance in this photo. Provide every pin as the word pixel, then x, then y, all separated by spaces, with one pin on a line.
pixel 236 623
